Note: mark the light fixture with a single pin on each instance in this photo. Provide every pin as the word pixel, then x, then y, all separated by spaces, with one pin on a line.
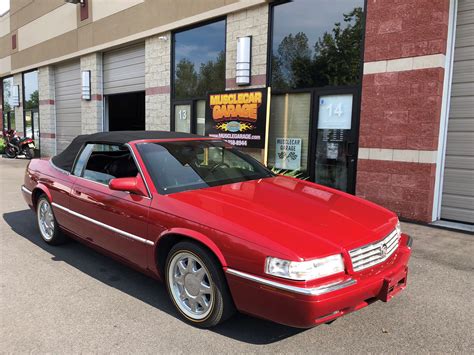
pixel 242 69
pixel 16 95
pixel 75 2
pixel 86 84
pixel 163 38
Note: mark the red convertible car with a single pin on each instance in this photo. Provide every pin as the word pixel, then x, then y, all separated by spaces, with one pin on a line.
pixel 222 231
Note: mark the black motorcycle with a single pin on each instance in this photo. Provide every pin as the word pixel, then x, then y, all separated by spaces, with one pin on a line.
pixel 15 145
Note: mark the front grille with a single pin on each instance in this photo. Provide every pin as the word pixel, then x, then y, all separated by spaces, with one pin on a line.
pixel 375 253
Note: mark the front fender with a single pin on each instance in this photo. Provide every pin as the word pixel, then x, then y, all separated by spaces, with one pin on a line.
pixel 192 234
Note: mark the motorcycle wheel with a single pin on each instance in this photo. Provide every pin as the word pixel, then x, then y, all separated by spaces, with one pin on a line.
pixel 10 152
pixel 29 153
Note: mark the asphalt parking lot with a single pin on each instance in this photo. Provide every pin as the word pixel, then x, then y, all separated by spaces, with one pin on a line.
pixel 70 299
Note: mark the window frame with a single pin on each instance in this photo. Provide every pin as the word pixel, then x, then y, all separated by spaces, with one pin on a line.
pixel 193 99
pixel 32 110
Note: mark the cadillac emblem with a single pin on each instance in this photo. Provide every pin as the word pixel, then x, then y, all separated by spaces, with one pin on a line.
pixel 383 251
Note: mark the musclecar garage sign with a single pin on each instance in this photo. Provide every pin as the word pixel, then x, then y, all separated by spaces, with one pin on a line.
pixel 238 117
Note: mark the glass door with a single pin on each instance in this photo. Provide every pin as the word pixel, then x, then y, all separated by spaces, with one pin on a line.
pixel 334 136
pixel 182 117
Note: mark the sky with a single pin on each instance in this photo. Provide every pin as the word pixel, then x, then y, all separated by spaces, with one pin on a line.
pixel 200 44
pixel 4 6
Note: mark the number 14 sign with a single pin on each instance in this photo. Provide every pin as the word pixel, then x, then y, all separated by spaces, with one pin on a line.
pixel 335 111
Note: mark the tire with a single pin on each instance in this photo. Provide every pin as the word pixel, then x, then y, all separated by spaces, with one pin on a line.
pixel 10 152
pixel 29 153
pixel 47 224
pixel 197 286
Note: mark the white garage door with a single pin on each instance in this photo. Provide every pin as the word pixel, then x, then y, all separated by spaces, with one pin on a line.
pixel 458 185
pixel 68 103
pixel 124 70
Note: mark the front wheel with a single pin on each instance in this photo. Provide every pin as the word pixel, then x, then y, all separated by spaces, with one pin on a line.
pixel 197 286
pixel 47 224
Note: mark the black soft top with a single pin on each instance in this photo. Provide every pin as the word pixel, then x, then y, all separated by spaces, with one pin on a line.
pixel 65 160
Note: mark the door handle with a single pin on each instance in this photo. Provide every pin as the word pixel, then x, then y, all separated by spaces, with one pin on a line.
pixel 350 149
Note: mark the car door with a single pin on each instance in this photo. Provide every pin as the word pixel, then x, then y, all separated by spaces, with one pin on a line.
pixel 113 220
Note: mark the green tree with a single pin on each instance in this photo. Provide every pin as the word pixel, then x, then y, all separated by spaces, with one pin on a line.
pixel 337 55
pixel 211 75
pixel 33 102
pixel 336 59
pixel 186 79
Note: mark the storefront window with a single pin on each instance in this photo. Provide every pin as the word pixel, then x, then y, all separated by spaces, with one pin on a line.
pixel 199 60
pixel 199 67
pixel 315 67
pixel 316 43
pixel 8 109
pixel 31 105
pixel 290 122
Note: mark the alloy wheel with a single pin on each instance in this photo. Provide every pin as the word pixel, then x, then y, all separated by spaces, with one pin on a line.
pixel 191 285
pixel 45 219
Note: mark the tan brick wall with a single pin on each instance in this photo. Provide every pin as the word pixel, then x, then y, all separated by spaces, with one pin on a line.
pixel 47 111
pixel 92 111
pixel 157 82
pixel 251 22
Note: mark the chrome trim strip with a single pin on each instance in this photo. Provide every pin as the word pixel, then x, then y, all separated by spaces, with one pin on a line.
pixel 24 189
pixel 106 226
pixel 315 291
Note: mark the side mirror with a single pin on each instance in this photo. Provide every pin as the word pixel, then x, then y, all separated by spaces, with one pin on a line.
pixel 133 185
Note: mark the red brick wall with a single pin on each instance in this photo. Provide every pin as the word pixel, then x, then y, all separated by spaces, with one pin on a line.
pixel 401 109
pixel 405 188
pixel 405 28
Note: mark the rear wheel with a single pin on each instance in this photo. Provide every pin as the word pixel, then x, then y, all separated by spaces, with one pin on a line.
pixel 10 152
pixel 47 224
pixel 197 286
pixel 29 153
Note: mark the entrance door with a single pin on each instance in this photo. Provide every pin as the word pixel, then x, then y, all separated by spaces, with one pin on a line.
pixel 189 116
pixel 334 137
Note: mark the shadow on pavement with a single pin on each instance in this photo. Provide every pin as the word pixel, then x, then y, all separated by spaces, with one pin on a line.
pixel 106 270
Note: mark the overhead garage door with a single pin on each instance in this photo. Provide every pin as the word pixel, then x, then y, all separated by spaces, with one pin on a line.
pixel 68 103
pixel 458 186
pixel 124 70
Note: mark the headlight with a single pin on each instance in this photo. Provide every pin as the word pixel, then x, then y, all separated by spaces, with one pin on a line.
pixel 398 229
pixel 304 270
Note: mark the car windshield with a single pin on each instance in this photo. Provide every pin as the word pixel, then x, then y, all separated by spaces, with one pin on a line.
pixel 188 165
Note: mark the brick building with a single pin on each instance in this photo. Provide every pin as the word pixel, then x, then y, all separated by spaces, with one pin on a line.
pixel 400 73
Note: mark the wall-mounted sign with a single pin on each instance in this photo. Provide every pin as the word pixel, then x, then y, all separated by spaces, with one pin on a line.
pixel 288 153
pixel 237 117
pixel 335 112
pixel 86 84
pixel 15 100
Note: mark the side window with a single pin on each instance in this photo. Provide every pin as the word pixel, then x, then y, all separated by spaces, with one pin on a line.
pixel 82 160
pixel 103 162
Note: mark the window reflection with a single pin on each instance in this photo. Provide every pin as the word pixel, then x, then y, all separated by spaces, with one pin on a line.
pixel 30 80
pixel 8 108
pixel 7 94
pixel 316 43
pixel 199 57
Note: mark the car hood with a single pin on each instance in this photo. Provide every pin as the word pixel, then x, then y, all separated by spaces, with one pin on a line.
pixel 297 218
